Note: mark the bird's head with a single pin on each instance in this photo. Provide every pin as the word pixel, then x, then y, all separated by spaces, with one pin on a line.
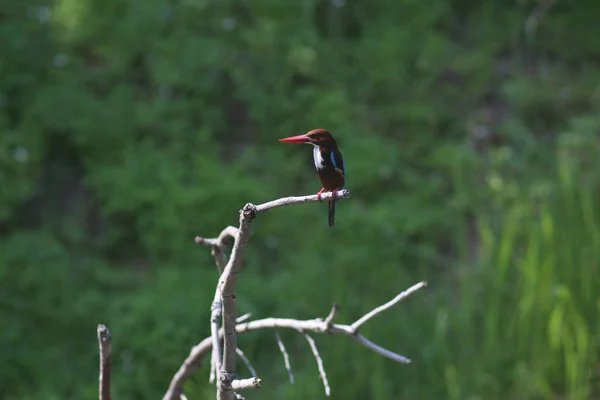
pixel 316 137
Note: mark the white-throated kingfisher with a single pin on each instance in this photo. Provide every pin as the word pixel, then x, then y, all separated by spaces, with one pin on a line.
pixel 328 162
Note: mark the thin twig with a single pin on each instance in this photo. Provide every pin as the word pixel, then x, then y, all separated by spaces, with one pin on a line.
pixel 105 347
pixel 380 350
pixel 218 246
pixel 241 354
pixel 203 349
pixel 243 318
pixel 332 314
pixel 356 325
pixel 286 357
pixel 315 352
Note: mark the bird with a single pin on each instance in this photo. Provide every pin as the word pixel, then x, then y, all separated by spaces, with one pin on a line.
pixel 329 163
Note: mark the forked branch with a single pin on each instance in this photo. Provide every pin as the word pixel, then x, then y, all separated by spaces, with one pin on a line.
pixel 318 325
pixel 224 307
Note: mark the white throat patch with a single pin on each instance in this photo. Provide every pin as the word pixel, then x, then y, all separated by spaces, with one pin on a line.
pixel 318 157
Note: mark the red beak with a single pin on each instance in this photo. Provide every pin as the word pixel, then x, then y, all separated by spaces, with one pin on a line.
pixel 296 139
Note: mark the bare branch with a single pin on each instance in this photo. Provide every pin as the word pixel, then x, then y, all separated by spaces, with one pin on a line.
pixel 311 325
pixel 218 245
pixel 191 363
pixel 332 314
pixel 245 384
pixel 378 349
pixel 215 316
pixel 105 347
pixel 201 351
pixel 224 303
pixel 241 354
pixel 212 375
pixel 384 307
pixel 226 287
pixel 243 318
pixel 227 282
pixel 286 357
pixel 318 326
pixel 315 352
pixel 287 201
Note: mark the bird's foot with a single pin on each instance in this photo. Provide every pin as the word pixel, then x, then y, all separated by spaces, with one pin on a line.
pixel 319 194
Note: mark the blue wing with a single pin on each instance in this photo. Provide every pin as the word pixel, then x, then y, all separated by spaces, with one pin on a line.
pixel 338 161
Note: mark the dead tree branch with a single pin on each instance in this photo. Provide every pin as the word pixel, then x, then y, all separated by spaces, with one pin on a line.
pixel 286 357
pixel 287 201
pixel 224 307
pixel 105 348
pixel 246 361
pixel 318 325
pixel 322 373
pixel 243 317
pixel 226 289
pixel 224 303
pixel 384 307
pixel 215 316
pixel 219 245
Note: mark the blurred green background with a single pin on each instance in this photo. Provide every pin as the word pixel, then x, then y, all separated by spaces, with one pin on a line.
pixel 470 131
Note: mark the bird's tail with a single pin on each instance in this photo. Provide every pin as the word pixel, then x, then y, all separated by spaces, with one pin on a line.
pixel 332 212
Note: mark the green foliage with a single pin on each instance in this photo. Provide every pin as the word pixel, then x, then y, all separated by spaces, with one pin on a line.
pixel 471 143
